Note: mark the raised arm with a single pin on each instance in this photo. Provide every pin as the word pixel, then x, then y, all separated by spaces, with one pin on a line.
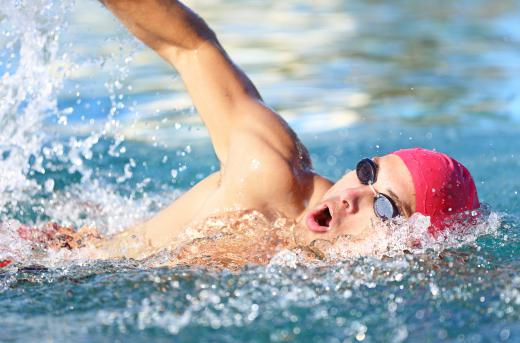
pixel 223 95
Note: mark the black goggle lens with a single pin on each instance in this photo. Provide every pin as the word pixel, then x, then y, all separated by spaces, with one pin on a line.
pixel 366 171
pixel 384 207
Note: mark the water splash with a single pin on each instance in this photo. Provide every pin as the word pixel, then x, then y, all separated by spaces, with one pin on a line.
pixel 39 163
pixel 32 73
pixel 235 240
pixel 36 154
pixel 401 236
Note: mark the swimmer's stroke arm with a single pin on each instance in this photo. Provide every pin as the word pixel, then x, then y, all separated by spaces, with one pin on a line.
pixel 239 123
pixel 224 96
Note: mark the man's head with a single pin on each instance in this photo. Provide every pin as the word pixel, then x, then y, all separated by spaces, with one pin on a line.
pixel 409 180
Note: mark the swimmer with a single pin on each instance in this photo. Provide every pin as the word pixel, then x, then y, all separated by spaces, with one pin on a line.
pixel 264 166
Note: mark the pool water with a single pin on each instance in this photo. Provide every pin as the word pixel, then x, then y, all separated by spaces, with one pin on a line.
pixel 96 130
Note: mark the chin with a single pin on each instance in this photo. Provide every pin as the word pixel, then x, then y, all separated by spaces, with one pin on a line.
pixel 302 235
pixel 367 242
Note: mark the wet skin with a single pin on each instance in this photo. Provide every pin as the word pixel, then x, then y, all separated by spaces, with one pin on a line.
pixel 349 202
pixel 263 165
pixel 347 207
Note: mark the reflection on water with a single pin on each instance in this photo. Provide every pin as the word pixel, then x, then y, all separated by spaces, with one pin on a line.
pixel 324 61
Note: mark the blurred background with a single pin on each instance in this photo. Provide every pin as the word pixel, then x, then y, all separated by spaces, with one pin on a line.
pixel 381 75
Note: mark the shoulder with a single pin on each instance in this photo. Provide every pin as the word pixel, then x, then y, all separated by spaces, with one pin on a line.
pixel 261 164
pixel 262 133
pixel 265 157
pixel 268 169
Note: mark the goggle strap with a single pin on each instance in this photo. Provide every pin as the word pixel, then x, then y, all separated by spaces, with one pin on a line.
pixel 373 189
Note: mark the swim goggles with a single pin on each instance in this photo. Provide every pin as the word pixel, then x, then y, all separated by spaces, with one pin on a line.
pixel 384 206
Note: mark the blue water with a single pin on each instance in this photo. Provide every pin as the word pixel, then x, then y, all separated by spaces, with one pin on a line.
pixel 106 136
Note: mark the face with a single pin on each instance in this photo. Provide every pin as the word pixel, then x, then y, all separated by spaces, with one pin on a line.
pixel 347 208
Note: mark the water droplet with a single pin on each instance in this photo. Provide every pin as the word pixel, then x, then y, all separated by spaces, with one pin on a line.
pixel 360 336
pixel 434 289
pixel 331 160
pixel 255 164
pixel 347 294
pixel 68 110
pixel 504 334
pixel 62 120
pixel 49 185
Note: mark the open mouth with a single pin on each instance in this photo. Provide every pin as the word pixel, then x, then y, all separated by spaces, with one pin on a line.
pixel 319 220
pixel 323 217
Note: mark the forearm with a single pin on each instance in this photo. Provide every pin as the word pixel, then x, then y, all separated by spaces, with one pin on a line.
pixel 167 26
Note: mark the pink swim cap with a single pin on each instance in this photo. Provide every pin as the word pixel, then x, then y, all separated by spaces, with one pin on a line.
pixel 443 186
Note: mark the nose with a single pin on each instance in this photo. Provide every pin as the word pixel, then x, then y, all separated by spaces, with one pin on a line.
pixel 352 198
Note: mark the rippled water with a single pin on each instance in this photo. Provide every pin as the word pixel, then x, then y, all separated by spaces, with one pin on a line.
pixel 96 130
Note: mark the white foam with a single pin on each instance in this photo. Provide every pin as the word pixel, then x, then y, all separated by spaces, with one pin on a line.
pixel 401 236
pixel 28 87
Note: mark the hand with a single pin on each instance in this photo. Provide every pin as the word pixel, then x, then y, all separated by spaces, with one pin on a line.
pixel 58 237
